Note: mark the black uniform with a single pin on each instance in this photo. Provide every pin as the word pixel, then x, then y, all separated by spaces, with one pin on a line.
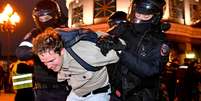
pixel 142 62
pixel 146 51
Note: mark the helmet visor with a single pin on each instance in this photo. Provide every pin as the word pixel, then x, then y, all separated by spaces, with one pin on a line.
pixel 45 18
pixel 44 15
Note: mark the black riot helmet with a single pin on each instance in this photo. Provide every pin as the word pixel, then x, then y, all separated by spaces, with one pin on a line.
pixel 117 18
pixel 147 7
pixel 47 13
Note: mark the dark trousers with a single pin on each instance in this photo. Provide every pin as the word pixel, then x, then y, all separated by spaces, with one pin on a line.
pixel 25 94
pixel 51 94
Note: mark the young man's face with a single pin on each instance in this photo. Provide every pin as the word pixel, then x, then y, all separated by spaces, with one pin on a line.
pixel 52 60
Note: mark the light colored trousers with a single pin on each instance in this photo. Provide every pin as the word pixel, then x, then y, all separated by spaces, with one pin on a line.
pixel 92 97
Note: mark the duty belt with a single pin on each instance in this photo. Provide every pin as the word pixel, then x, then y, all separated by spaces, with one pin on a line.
pixel 97 91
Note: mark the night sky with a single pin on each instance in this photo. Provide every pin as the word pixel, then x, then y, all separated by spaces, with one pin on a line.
pixel 9 41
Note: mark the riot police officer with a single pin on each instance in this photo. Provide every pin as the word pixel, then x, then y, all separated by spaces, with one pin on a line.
pixel 146 51
pixel 47 13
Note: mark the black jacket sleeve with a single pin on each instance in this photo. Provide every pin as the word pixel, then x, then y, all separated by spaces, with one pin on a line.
pixel 143 53
pixel 145 64
pixel 24 50
pixel 139 66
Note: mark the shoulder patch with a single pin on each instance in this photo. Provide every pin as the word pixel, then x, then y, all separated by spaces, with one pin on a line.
pixel 165 49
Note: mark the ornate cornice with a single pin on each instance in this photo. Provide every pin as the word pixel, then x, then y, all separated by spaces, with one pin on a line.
pixel 184 30
pixel 184 34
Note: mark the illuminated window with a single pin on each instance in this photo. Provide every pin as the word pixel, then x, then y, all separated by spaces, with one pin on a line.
pixel 103 8
pixel 177 10
pixel 77 15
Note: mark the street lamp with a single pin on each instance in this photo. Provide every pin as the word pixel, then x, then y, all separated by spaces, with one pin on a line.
pixel 8 21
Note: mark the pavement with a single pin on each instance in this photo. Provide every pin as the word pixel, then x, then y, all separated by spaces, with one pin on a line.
pixel 6 96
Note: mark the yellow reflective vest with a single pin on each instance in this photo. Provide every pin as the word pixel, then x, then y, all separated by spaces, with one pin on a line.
pixel 21 81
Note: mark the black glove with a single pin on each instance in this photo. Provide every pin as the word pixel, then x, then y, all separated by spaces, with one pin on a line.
pixel 118 46
pixel 109 43
pixel 118 30
pixel 105 44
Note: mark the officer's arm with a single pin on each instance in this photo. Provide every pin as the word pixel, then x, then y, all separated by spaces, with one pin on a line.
pixel 25 48
pixel 141 67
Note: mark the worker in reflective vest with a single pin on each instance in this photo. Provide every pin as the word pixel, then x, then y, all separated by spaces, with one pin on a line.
pixel 22 80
